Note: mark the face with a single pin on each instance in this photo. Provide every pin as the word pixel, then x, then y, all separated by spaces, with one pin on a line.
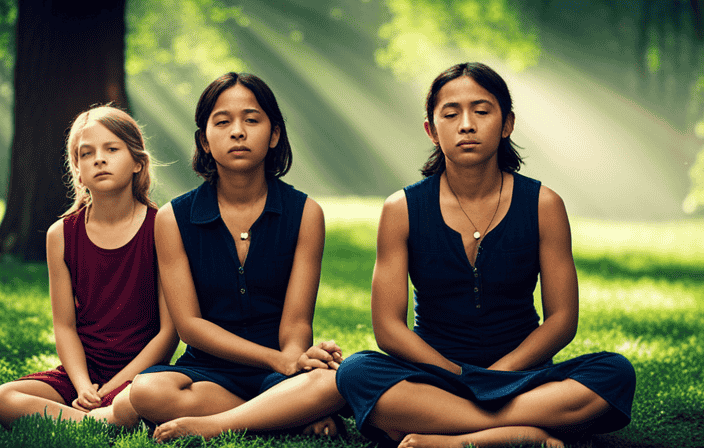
pixel 239 133
pixel 105 163
pixel 468 125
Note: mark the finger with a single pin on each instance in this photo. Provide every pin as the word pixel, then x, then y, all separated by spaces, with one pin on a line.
pixel 330 346
pixel 315 364
pixel 319 353
pixel 76 405
pixel 333 365
pixel 337 357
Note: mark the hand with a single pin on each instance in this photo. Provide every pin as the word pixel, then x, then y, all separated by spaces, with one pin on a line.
pixel 326 355
pixel 88 399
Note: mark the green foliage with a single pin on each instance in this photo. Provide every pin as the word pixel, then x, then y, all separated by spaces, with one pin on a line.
pixel 641 293
pixel 421 33
pixel 177 41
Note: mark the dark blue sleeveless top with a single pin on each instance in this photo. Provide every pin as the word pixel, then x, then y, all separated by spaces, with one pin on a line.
pixel 473 314
pixel 245 300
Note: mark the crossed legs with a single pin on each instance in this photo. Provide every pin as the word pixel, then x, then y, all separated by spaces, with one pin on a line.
pixel 27 397
pixel 421 415
pixel 183 407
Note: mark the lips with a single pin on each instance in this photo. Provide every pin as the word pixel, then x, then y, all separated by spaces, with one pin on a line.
pixel 102 173
pixel 239 149
pixel 467 142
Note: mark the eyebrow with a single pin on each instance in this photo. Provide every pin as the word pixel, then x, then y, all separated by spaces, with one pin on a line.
pixel 87 145
pixel 473 103
pixel 246 111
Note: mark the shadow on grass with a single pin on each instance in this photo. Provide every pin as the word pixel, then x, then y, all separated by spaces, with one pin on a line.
pixel 637 266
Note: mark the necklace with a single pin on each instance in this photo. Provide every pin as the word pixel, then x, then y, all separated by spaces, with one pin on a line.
pixel 476 233
pixel 245 235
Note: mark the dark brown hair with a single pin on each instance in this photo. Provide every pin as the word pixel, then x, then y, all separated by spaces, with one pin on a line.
pixel 278 159
pixel 508 157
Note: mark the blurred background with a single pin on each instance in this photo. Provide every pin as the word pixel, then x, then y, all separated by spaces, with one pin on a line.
pixel 608 94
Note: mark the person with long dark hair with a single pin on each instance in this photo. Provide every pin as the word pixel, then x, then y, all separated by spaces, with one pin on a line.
pixel 474 236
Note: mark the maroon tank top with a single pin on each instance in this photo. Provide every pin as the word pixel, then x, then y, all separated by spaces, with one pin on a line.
pixel 115 293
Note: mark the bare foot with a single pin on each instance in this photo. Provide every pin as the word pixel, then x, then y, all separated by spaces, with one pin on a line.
pixel 495 437
pixel 325 426
pixel 186 426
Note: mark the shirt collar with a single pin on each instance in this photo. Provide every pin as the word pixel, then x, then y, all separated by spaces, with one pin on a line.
pixel 205 207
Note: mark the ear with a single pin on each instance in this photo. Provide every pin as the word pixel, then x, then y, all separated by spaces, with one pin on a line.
pixel 508 125
pixel 203 141
pixel 275 134
pixel 137 167
pixel 431 132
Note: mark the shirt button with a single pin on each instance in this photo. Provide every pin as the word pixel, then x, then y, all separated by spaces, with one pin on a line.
pixel 241 270
pixel 242 291
pixel 479 306
pixel 476 275
pixel 476 289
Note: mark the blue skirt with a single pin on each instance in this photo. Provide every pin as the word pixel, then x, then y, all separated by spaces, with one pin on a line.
pixel 243 381
pixel 363 377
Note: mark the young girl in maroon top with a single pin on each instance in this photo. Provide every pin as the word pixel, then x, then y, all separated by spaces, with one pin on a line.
pixel 110 318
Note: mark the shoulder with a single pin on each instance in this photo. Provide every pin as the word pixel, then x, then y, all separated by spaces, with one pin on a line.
pixel 55 240
pixel 289 194
pixel 552 215
pixel 396 203
pixel 165 216
pixel 56 231
pixel 549 201
pixel 394 214
pixel 313 210
pixel 188 197
pixel 422 185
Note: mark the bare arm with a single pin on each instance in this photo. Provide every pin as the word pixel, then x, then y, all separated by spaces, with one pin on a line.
pixel 182 302
pixel 390 290
pixel 558 282
pixel 296 327
pixel 63 308
pixel 159 349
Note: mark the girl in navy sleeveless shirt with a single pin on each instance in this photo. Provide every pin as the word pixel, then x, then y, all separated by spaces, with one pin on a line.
pixel 110 320
pixel 473 237
pixel 240 260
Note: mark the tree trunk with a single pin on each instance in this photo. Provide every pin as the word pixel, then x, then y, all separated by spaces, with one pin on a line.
pixel 70 55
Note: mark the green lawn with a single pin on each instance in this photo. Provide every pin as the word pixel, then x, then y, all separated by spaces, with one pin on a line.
pixel 642 295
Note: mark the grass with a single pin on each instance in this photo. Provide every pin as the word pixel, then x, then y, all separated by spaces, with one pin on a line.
pixel 642 295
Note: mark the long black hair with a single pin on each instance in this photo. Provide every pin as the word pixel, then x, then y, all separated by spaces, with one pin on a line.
pixel 278 159
pixel 508 157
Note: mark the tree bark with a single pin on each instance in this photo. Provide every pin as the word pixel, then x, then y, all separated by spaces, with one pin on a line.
pixel 70 55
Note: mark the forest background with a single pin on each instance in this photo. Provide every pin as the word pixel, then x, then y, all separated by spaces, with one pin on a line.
pixel 609 94
pixel 609 98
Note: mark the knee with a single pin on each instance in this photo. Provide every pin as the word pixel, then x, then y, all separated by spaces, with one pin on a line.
pixel 322 379
pixel 146 394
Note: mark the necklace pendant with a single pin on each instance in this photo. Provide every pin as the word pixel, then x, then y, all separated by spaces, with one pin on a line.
pixel 244 236
pixel 477 235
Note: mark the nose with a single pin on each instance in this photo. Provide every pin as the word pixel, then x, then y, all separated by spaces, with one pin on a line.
pixel 100 157
pixel 467 124
pixel 237 130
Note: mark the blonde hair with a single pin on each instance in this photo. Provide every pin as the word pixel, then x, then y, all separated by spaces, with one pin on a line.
pixel 126 129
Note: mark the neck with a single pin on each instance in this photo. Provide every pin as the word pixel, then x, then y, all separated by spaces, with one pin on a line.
pixel 474 182
pixel 113 208
pixel 241 189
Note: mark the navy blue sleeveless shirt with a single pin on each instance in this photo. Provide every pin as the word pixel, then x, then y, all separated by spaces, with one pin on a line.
pixel 245 300
pixel 473 314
